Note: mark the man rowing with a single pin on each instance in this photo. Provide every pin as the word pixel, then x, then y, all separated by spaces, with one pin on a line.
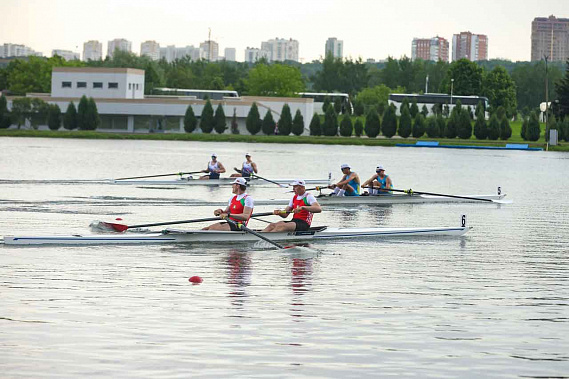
pixel 249 167
pixel 380 183
pixel 349 185
pixel 214 168
pixel 303 205
pixel 239 208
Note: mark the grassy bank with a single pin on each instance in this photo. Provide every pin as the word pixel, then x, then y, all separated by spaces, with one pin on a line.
pixel 380 141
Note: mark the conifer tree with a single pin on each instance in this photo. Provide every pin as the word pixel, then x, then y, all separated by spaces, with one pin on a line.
pixel 419 125
pixel 346 126
pixel 534 129
pixel 298 123
pixel 285 122
pixel 190 120
pixel 70 118
pixel 493 128
pixel 414 109
pixel 54 117
pixel 505 129
pixel 432 127
pixel 315 127
pixel 330 127
pixel 524 129
pixel 373 125
pixel 480 128
pixel 464 130
pixel 220 121
pixel 207 120
pixel 93 115
pixel 359 127
pixel 82 113
pixel 253 121
pixel 5 120
pixel 389 122
pixel 425 111
pixel 268 126
pixel 404 123
pixel 234 124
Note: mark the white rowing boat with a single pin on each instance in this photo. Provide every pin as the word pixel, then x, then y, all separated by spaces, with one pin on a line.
pixel 172 236
pixel 189 180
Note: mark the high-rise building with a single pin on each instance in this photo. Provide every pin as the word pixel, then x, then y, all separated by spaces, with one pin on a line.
pixel 253 54
pixel 430 49
pixel 150 49
pixel 13 50
pixel 230 54
pixel 334 47
pixel 280 49
pixel 170 53
pixel 92 50
pixel 118 44
pixel 209 50
pixel 66 54
pixel 550 37
pixel 470 46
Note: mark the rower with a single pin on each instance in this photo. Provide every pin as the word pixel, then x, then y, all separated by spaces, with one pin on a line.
pixel 379 184
pixel 249 167
pixel 349 185
pixel 214 168
pixel 303 205
pixel 239 208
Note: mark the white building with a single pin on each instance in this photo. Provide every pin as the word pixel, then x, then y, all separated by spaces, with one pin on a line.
pixel 230 54
pixel 253 54
pixel 118 44
pixel 209 50
pixel 280 49
pixel 334 47
pixel 170 53
pixel 150 49
pixel 68 55
pixel 14 50
pixel 97 82
pixel 92 50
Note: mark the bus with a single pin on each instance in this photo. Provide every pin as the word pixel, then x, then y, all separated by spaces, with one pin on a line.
pixel 319 98
pixel 430 99
pixel 195 93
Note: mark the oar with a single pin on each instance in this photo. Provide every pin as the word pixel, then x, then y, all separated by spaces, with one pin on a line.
pixel 411 192
pixel 122 227
pixel 317 188
pixel 246 229
pixel 156 176
pixel 268 180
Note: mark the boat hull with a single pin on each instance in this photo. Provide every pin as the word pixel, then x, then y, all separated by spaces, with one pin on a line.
pixel 172 236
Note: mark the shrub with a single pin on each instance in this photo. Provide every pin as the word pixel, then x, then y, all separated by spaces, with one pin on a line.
pixel 220 122
pixel 404 123
pixel 505 129
pixel 419 125
pixel 70 117
pixel 298 123
pixel 253 121
pixel 359 127
pixel 54 117
pixel 268 126
pixel 389 124
pixel 330 127
pixel 480 128
pixel 346 127
pixel 207 120
pixel 432 127
pixel 373 124
pixel 534 129
pixel 464 129
pixel 190 120
pixel 493 128
pixel 315 128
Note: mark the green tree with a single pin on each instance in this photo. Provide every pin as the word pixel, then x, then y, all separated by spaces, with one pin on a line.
pixel 93 119
pixel 524 129
pixel 566 129
pixel 414 109
pixel 70 118
pixel 467 77
pixel 220 121
pixel 285 121
pixel 82 113
pixel 268 126
pixel 275 80
pixel 234 124
pixel 315 127
pixel 562 89
pixel 480 128
pixel 451 127
pixel 373 125
pixel 54 117
pixel 432 127
pixel 298 123
pixel 505 129
pixel 330 127
pixel 389 124
pixel 207 121
pixel 358 127
pixel 5 120
pixel 493 128
pixel 404 123
pixel 338 106
pixel 419 125
pixel 326 104
pixel 533 130
pixel 464 127
pixel 501 90
pixel 441 124
pixel 190 120
pixel 346 126
pixel 253 121
pixel 374 97
pixel 425 111
pixel 359 107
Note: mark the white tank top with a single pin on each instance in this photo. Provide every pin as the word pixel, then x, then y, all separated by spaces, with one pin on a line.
pixel 213 166
pixel 247 167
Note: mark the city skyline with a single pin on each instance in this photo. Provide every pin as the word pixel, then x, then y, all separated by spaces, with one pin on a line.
pixel 368 29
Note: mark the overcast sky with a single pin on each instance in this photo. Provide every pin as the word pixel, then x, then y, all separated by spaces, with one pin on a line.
pixel 369 29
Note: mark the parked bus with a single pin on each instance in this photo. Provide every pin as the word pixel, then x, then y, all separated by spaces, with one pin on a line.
pixel 430 99
pixel 319 98
pixel 195 93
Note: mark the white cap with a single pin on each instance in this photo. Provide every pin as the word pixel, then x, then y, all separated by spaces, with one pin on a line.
pixel 214 155
pixel 247 154
pixel 379 167
pixel 239 181
pixel 298 182
pixel 344 165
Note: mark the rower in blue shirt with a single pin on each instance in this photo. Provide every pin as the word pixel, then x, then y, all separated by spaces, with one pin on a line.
pixel 380 183
pixel 349 185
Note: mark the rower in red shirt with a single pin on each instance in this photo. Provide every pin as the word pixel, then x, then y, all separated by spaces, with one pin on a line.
pixel 239 208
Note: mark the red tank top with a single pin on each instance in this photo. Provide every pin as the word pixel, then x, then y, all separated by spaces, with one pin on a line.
pixel 237 207
pixel 303 215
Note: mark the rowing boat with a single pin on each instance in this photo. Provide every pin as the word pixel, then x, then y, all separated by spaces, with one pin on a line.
pixel 172 236
pixel 189 180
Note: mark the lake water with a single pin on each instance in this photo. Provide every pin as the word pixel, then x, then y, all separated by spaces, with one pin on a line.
pixel 494 303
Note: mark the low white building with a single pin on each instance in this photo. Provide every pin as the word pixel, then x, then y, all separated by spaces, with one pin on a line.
pixel 122 106
pixel 68 55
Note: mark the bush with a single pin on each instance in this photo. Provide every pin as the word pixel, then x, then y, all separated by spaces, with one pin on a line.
pixel 425 111
pixel 285 122
pixel 190 120
pixel 414 109
pixel 346 126
pixel 359 127
pixel 419 125
pixel 464 129
pixel 505 129
pixel 207 120
pixel 220 122
pixel 493 128
pixel 253 121
pixel 54 117
pixel 5 120
pixel 404 123
pixel 358 108
pixel 70 118
pixel 533 130
pixel 432 127
pixel 298 123
pixel 330 127
pixel 480 128
pixel 373 125
pixel 82 122
pixel 451 126
pixel 315 128
pixel 389 124
pixel 441 125
pixel 268 126
pixel 524 129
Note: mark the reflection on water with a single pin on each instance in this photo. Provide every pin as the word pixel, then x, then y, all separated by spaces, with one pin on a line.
pixel 238 276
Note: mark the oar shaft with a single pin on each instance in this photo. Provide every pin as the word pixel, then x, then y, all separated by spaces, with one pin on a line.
pixel 267 180
pixel 156 176
pixel 194 220
pixel 246 229
pixel 409 191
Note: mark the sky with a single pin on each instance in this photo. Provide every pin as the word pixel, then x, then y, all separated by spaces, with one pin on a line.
pixel 370 29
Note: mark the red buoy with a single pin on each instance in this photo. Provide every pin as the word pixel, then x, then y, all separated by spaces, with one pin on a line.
pixel 195 279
